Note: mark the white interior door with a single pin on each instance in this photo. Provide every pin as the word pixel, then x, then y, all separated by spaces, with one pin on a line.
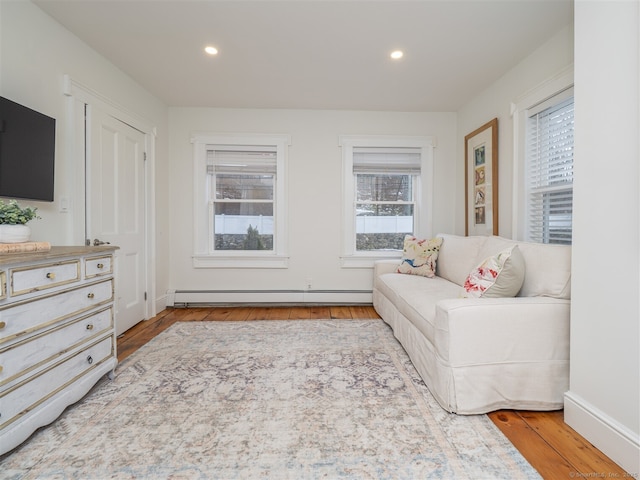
pixel 116 205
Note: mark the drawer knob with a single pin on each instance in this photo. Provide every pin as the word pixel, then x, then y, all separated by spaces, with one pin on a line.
pixel 89 359
pixel 51 275
pixel 90 326
pixel 3 324
pixel 100 266
pixel 91 295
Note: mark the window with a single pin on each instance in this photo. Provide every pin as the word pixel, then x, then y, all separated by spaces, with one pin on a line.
pixel 384 178
pixel 549 167
pixel 385 196
pixel 240 201
pixel 543 167
pixel 242 204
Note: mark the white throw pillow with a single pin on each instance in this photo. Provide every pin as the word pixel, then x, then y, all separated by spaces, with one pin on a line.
pixel 419 256
pixel 500 275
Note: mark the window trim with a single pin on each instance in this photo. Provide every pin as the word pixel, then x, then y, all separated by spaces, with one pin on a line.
pixel 423 212
pixel 204 256
pixel 520 109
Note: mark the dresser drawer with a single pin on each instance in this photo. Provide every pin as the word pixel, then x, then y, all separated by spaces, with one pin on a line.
pixel 29 316
pixel 32 353
pixel 96 266
pixel 26 396
pixel 40 277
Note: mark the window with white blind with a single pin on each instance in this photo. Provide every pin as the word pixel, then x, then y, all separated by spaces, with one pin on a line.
pixel 549 170
pixel 543 161
pixel 384 178
pixel 386 182
pixel 242 183
pixel 240 201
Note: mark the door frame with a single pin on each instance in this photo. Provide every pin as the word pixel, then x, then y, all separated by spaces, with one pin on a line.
pixel 77 97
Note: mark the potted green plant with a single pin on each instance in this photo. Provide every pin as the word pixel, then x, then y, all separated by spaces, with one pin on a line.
pixel 13 222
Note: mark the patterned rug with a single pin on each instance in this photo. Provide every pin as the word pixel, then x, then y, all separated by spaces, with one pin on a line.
pixel 266 400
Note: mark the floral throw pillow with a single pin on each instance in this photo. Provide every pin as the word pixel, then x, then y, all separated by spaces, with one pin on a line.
pixel 498 276
pixel 419 256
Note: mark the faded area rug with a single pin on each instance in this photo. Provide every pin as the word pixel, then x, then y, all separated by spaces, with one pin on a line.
pixel 266 400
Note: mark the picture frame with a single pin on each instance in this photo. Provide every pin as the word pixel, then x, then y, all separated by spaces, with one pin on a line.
pixel 481 180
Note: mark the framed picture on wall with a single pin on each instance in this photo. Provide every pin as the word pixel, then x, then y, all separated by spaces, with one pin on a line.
pixel 481 180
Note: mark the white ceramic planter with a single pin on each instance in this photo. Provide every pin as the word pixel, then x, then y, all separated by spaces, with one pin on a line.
pixel 14 233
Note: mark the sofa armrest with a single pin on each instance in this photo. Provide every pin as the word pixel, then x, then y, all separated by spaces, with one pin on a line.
pixel 494 330
pixel 380 267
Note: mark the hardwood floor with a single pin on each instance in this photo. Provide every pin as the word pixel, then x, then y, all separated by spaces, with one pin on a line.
pixel 552 447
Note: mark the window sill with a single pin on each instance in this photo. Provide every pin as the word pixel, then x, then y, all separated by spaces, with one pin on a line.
pixel 240 261
pixel 367 261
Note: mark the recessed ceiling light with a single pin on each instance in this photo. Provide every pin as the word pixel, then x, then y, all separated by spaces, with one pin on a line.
pixel 211 50
pixel 397 54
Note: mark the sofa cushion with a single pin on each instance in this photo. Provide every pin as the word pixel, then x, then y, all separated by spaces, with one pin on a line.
pixel 458 255
pixel 416 297
pixel 419 256
pixel 500 275
pixel 548 267
pixel 551 278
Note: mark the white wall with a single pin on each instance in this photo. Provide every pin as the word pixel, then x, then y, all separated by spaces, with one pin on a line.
pixel 35 54
pixel 495 102
pixel 603 403
pixel 314 188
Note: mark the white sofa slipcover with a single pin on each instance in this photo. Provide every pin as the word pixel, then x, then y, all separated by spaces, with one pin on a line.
pixel 478 355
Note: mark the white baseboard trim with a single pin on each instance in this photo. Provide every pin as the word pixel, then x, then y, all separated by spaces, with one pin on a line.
pixel 615 440
pixel 185 298
pixel 160 304
pixel 170 298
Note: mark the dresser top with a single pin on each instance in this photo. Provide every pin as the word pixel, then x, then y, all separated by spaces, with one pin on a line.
pixel 54 253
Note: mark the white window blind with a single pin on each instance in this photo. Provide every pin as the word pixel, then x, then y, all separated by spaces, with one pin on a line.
pixel 379 160
pixel 550 127
pixel 244 159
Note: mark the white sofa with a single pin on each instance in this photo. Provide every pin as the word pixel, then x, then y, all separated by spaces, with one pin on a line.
pixel 478 355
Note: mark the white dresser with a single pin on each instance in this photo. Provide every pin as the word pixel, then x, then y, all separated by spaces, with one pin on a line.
pixel 57 334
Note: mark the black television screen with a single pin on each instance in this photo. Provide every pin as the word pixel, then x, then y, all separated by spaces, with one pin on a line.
pixel 27 152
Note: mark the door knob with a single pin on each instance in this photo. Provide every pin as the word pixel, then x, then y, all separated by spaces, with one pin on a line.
pixel 97 243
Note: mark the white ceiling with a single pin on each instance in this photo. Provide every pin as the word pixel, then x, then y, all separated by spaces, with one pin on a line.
pixel 319 54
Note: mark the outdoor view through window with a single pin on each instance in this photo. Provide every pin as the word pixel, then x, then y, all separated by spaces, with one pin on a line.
pixel 243 209
pixel 384 211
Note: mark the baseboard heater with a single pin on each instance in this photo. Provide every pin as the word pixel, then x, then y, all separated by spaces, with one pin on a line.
pixel 192 298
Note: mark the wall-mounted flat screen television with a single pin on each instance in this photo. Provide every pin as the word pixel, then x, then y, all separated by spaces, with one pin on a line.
pixel 27 152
